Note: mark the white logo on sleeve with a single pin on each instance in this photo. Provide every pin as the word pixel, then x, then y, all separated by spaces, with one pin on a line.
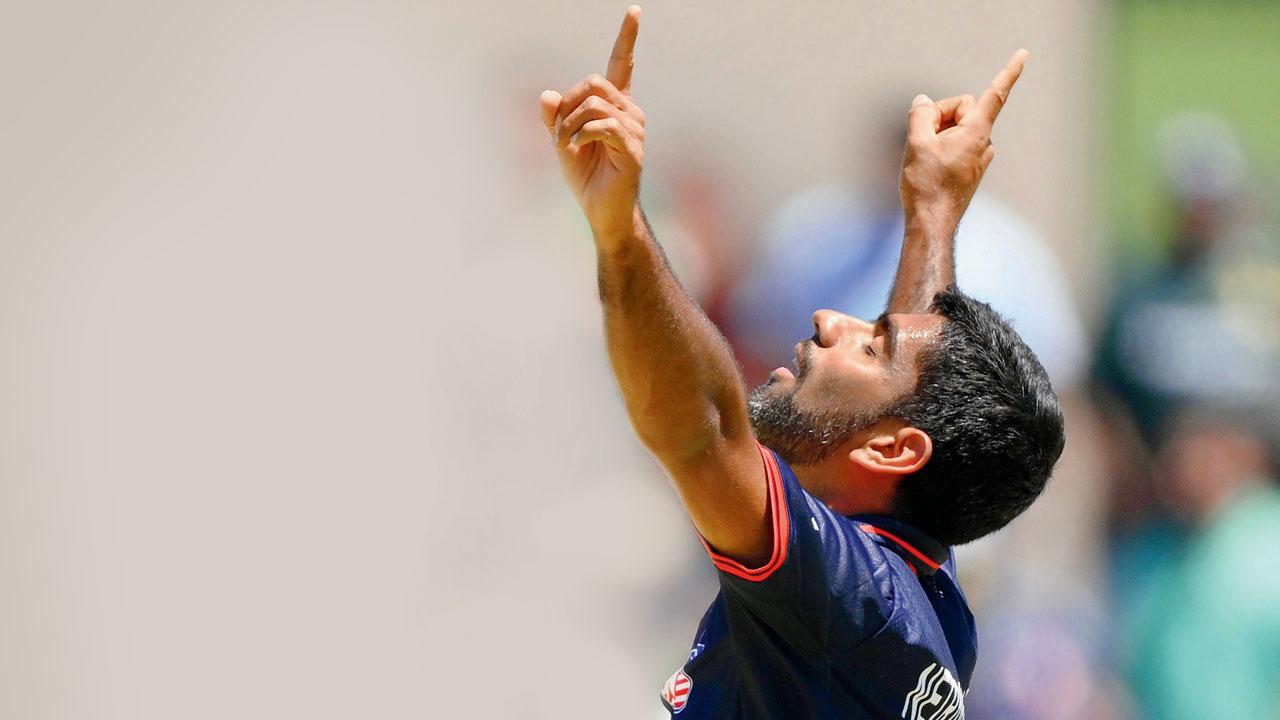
pixel 937 697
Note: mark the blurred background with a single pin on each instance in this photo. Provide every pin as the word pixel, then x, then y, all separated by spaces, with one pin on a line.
pixel 306 411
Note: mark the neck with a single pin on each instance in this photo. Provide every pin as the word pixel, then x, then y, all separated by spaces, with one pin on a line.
pixel 847 488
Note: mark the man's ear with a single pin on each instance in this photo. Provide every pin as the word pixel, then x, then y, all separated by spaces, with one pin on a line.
pixel 899 453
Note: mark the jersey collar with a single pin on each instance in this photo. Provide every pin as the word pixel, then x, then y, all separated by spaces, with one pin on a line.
pixel 923 553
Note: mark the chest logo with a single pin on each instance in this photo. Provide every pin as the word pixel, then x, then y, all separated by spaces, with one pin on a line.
pixel 675 694
pixel 937 697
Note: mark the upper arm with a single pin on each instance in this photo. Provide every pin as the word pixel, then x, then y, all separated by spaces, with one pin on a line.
pixel 732 493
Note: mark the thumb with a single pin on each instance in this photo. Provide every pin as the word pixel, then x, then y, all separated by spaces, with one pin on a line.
pixel 550 105
pixel 922 119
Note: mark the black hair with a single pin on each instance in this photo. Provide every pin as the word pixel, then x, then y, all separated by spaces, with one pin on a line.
pixel 996 426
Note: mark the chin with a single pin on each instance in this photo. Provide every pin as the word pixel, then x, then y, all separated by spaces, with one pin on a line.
pixel 770 389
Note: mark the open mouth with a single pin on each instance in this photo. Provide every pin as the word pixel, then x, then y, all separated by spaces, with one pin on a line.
pixel 799 364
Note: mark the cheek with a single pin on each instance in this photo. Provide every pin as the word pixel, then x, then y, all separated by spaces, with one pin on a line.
pixel 843 385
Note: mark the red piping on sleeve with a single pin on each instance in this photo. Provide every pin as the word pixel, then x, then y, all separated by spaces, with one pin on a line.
pixel 905 545
pixel 780 521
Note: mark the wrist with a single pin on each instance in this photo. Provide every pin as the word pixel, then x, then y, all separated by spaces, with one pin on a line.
pixel 932 223
pixel 621 234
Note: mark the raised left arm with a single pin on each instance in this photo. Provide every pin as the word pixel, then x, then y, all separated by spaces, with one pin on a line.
pixel 948 150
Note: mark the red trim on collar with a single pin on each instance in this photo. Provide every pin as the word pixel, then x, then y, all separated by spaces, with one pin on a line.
pixel 868 527
pixel 780 520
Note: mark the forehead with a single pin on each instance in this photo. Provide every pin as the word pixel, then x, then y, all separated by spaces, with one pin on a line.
pixel 910 324
pixel 909 333
pixel 918 323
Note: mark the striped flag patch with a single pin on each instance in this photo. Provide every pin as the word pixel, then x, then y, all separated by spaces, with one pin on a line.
pixel 675 693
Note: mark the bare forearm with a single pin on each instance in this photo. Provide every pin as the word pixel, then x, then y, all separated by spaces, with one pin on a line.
pixel 678 377
pixel 927 264
pixel 947 152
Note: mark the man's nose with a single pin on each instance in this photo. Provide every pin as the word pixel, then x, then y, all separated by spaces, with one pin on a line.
pixel 826 327
pixel 829 326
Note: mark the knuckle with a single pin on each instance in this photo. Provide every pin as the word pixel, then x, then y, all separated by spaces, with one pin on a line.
pixel 967 99
pixel 596 81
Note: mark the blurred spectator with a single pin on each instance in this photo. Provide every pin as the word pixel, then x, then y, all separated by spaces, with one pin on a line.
pixel 1044 666
pixel 1198 606
pixel 699 232
pixel 1204 325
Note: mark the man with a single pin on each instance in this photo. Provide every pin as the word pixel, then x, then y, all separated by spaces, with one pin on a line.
pixel 1200 323
pixel 1192 583
pixel 828 499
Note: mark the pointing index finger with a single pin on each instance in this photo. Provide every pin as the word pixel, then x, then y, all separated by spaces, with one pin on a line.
pixel 996 94
pixel 623 57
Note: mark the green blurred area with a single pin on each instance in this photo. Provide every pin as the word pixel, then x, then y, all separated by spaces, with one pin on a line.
pixel 1169 57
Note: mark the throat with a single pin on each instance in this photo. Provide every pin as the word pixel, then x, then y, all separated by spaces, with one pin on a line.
pixel 847 493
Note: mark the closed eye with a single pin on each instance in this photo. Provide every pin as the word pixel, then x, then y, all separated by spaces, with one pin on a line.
pixel 869 350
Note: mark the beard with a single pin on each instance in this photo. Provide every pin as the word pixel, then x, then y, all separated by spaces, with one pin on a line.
pixel 801 437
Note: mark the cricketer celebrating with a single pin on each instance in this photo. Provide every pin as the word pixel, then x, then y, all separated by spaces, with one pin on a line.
pixel 829 497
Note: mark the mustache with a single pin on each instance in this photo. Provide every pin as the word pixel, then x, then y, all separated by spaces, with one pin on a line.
pixel 804 356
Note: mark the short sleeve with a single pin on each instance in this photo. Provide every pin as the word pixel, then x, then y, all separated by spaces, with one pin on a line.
pixel 826 581
pixel 780 524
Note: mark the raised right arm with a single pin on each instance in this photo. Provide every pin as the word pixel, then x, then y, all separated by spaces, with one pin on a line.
pixel 678 378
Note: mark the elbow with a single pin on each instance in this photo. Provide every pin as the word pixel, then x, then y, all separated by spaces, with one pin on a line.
pixel 681 442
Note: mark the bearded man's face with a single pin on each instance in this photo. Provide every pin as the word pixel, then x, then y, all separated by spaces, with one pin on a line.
pixel 847 376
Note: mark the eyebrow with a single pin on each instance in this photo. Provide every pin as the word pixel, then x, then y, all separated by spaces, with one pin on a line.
pixel 891 330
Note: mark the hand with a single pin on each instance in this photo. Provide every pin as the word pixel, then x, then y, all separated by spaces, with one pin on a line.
pixel 598 132
pixel 949 148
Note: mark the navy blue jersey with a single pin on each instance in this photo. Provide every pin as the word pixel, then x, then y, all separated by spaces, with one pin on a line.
pixel 852 617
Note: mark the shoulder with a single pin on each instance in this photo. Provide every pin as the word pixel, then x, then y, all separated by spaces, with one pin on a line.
pixel 856 567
